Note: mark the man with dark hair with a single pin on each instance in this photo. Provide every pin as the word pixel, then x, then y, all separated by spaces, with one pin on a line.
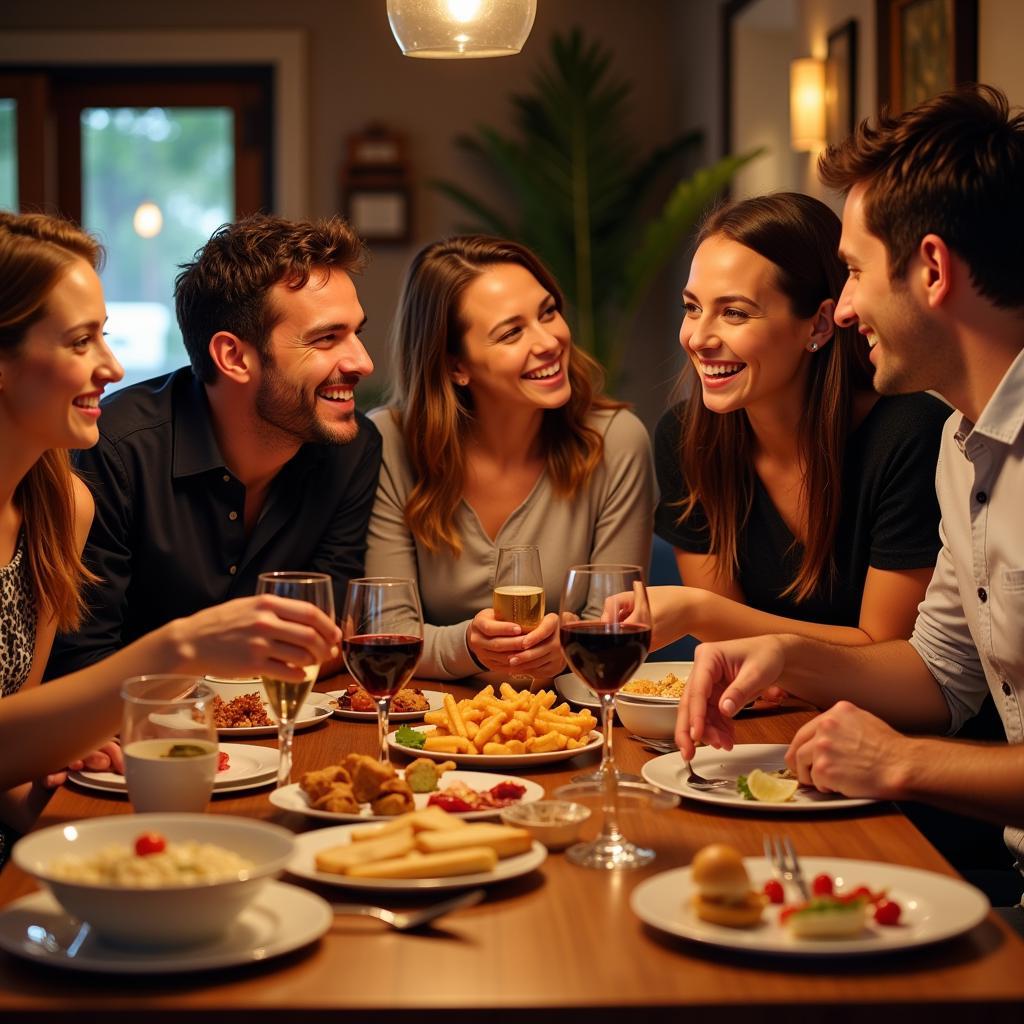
pixel 253 459
pixel 933 235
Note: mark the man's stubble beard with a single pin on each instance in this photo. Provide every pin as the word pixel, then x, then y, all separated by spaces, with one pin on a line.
pixel 286 410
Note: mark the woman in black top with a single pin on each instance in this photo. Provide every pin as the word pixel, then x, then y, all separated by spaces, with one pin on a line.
pixel 797 499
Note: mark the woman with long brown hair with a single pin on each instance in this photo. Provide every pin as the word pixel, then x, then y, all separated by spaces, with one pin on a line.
pixel 497 435
pixel 54 366
pixel 797 499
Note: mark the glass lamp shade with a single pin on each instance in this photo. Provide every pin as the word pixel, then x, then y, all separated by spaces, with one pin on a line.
pixel 461 28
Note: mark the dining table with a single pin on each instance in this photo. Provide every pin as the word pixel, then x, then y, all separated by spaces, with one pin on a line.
pixel 558 944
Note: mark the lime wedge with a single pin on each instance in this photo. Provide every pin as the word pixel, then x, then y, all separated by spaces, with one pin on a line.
pixel 770 789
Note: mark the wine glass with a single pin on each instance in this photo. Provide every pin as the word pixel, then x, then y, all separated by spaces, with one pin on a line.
pixel 382 640
pixel 605 632
pixel 169 742
pixel 286 697
pixel 519 593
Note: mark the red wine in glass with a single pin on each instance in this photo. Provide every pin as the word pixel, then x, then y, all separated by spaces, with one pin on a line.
pixel 382 662
pixel 605 654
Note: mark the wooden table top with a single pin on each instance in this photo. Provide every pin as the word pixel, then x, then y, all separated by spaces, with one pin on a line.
pixel 561 941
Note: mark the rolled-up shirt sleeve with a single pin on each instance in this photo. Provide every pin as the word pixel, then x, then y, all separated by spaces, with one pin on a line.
pixel 943 640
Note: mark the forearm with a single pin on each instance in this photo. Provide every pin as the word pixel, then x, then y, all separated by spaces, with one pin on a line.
pixel 981 780
pixel 890 680
pixel 710 617
pixel 20 806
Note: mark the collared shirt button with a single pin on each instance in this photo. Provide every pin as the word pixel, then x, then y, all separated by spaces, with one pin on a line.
pixel 981 497
pixel 232 516
pixel 1007 688
pixel 982 594
pixel 232 569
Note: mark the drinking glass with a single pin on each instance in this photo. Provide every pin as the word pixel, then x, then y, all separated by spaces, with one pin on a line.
pixel 605 632
pixel 382 640
pixel 286 698
pixel 169 741
pixel 519 593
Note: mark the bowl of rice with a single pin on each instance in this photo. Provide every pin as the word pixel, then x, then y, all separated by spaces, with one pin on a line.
pixel 156 880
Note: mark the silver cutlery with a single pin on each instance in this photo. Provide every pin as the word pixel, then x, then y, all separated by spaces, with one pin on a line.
pixel 695 781
pixel 405 921
pixel 785 864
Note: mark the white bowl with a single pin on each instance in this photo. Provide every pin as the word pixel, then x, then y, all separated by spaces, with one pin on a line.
pixel 650 719
pixel 178 915
pixel 555 823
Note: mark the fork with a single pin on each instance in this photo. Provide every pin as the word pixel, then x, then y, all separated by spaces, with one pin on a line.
pixel 695 781
pixel 410 920
pixel 785 864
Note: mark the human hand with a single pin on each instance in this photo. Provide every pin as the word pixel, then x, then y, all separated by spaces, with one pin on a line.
pixel 500 645
pixel 107 758
pixel 848 750
pixel 265 635
pixel 725 677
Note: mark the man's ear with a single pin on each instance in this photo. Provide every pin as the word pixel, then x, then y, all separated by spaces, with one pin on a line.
pixel 234 358
pixel 935 269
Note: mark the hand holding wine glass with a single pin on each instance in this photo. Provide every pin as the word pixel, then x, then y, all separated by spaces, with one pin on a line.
pixel 382 640
pixel 605 629
pixel 287 697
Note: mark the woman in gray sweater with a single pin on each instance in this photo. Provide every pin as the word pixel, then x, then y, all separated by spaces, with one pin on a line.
pixel 497 435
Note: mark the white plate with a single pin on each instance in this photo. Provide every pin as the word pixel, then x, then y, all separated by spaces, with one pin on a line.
pixel 574 690
pixel 307 845
pixel 935 907
pixel 250 767
pixel 280 919
pixel 669 772
pixel 309 714
pixel 435 698
pixel 291 798
pixel 494 760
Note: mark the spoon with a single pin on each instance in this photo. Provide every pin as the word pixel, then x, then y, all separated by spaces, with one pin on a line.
pixel 408 921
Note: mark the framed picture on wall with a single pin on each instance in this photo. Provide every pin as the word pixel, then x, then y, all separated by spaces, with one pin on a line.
pixel 924 47
pixel 841 82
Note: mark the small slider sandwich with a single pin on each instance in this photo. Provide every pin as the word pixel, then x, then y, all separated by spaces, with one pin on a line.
pixel 722 893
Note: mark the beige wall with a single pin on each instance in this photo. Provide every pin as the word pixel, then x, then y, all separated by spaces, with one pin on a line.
pixel 1000 31
pixel 357 74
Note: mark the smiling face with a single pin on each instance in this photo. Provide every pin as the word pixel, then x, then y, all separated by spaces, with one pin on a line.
pixel 517 345
pixel 905 345
pixel 739 330
pixel 50 387
pixel 314 360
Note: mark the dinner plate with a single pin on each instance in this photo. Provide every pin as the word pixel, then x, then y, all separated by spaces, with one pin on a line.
pixel 934 907
pixel 250 767
pixel 307 845
pixel 280 919
pixel 309 714
pixel 669 773
pixel 575 691
pixel 291 798
pixel 435 698
pixel 494 760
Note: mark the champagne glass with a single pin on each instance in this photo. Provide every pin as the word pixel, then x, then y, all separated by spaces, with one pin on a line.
pixel 605 632
pixel 519 592
pixel 286 697
pixel 382 640
pixel 170 742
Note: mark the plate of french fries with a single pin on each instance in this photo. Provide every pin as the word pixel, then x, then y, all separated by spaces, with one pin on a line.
pixel 504 727
pixel 425 849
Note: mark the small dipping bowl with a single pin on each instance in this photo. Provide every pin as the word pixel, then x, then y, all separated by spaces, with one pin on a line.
pixel 555 823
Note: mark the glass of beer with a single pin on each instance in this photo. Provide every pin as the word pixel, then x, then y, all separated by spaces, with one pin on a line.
pixel 287 697
pixel 519 592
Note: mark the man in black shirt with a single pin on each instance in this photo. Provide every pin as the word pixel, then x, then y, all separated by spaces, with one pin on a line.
pixel 253 459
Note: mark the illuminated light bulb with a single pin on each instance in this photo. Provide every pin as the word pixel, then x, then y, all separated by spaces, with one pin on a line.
pixel 148 220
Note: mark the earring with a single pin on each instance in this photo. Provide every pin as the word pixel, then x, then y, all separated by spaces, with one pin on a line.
pixel 461 380
pixel 813 347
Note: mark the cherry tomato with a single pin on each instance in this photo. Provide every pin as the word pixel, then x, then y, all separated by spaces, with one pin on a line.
pixel 150 842
pixel 223 761
pixel 887 912
pixel 822 885
pixel 773 890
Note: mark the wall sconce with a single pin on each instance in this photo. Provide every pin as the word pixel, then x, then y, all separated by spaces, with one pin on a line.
pixel 461 28
pixel 807 103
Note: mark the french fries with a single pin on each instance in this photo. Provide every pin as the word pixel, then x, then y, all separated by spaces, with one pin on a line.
pixel 511 722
